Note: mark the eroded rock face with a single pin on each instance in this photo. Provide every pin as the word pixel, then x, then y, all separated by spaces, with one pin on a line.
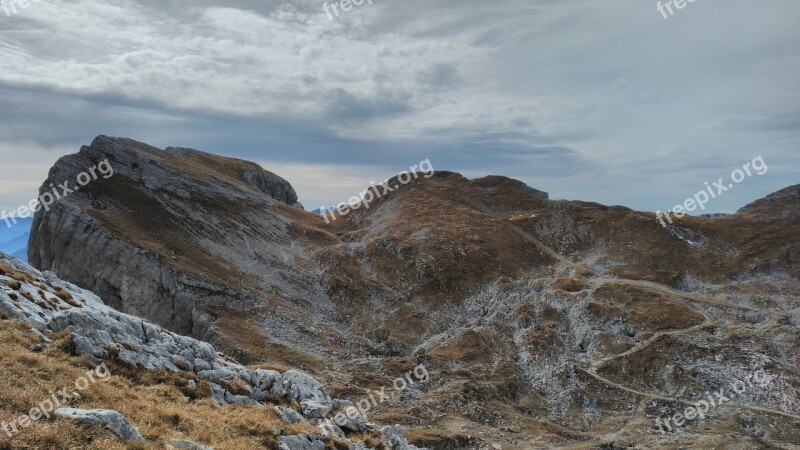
pixel 141 233
pixel 101 332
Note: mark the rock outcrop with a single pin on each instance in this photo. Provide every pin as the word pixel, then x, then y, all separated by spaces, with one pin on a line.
pixel 132 246
pixel 99 332
pixel 102 418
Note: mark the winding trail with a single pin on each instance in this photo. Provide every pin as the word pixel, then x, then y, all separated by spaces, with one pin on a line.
pixel 640 418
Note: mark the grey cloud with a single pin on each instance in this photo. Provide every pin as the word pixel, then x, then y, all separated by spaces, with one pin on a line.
pixel 583 98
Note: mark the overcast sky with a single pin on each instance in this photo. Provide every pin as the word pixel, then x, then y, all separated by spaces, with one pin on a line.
pixel 604 101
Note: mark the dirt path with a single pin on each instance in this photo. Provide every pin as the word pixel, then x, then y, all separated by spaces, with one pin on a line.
pixel 639 418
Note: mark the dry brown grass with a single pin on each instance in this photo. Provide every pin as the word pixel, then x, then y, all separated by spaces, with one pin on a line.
pixel 152 401
pixel 67 297
pixel 647 311
pixel 236 387
pixel 371 439
pixel 22 276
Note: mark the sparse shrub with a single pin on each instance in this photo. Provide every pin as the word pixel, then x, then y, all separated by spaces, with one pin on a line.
pixel 113 350
pixel 336 444
pixel 15 285
pixel 63 343
pixel 13 296
pixel 371 440
pixel 43 304
pixel 130 347
pixel 23 276
pixel 202 389
pixel 268 441
pixel 75 303
pixel 67 297
pixel 236 387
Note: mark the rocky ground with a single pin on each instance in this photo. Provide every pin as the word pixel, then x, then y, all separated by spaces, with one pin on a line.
pixel 541 323
pixel 101 334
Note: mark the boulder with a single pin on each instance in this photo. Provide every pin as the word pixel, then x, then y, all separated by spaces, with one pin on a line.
pixel 314 410
pixel 311 441
pixel 180 444
pixel 97 418
pixel 289 415
pixel 301 387
pixel 394 437
pixel 350 419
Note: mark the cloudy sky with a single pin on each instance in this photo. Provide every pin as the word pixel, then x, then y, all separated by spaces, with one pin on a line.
pixel 594 100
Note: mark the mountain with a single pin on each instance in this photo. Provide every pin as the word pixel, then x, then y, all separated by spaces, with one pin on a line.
pixel 15 230
pixel 14 239
pixel 323 210
pixel 543 323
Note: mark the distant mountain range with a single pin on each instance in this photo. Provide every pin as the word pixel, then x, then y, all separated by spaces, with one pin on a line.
pixel 323 210
pixel 14 239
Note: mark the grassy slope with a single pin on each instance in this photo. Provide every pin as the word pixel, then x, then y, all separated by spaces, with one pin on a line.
pixel 154 402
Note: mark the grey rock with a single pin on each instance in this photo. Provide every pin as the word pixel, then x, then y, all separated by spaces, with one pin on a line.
pixel 187 445
pixel 289 415
pixel 309 441
pixel 314 409
pixel 301 387
pixel 394 437
pixel 274 186
pixel 350 419
pixel 268 382
pixel 239 399
pixel 358 446
pixel 331 429
pixel 218 376
pixel 338 404
pixel 40 347
pixel 96 418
